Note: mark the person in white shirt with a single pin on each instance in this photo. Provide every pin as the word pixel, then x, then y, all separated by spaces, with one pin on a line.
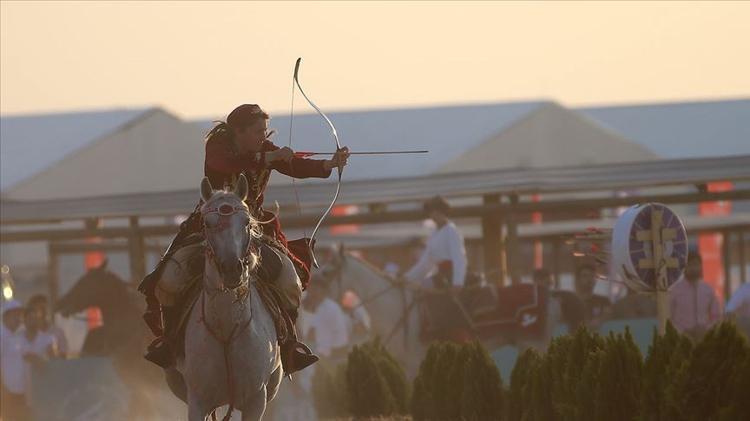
pixel 12 363
pixel 443 261
pixel 40 303
pixel 739 304
pixel 38 346
pixel 327 325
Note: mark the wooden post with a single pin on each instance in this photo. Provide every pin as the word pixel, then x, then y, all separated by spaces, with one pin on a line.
pixel 660 266
pixel 137 252
pixel 726 256
pixel 512 250
pixel 658 262
pixel 53 267
pixel 743 260
pixel 556 262
pixel 492 243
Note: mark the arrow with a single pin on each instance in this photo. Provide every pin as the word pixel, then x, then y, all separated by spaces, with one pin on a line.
pixel 306 154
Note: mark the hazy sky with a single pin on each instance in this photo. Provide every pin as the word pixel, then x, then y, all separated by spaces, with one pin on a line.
pixel 201 59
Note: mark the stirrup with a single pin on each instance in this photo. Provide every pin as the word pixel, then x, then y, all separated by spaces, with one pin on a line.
pixel 160 353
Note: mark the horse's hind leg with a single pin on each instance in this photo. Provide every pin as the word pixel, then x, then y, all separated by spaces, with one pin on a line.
pixel 255 406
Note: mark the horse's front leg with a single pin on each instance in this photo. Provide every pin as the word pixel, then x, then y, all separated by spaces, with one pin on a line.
pixel 197 410
pixel 255 406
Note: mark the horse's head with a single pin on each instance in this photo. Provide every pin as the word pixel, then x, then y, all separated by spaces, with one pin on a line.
pixel 231 233
pixel 93 289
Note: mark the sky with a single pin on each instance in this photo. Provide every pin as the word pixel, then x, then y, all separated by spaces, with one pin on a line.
pixel 200 59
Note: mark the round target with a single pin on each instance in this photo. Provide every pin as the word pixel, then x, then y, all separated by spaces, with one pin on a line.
pixel 634 237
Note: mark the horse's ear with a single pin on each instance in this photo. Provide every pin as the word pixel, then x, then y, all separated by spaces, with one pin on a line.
pixel 241 189
pixel 104 264
pixel 206 190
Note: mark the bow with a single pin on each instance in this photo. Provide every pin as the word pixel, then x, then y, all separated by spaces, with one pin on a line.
pixel 339 167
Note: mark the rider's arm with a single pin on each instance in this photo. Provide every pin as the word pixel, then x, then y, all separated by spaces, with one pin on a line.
pixel 419 271
pixel 297 167
pixel 458 258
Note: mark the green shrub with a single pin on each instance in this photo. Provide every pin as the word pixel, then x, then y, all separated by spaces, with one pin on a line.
pixel 457 382
pixel 521 385
pixel 703 387
pixel 618 394
pixel 665 357
pixel 482 396
pixel 367 390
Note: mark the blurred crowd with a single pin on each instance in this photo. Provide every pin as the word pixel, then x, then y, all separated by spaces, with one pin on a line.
pixel 28 338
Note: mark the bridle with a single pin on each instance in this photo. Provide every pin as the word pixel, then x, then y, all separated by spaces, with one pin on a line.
pixel 225 212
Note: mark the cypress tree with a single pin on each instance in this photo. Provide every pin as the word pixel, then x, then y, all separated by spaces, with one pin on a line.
pixel 739 405
pixel 665 357
pixel 583 344
pixel 587 389
pixel 392 372
pixel 618 394
pixel 423 401
pixel 447 382
pixel 520 396
pixel 482 395
pixel 368 391
pixel 550 379
pixel 703 387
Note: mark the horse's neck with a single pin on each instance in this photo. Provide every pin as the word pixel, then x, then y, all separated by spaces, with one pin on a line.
pixel 374 289
pixel 224 311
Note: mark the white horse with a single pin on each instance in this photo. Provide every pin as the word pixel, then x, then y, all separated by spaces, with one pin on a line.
pixel 231 349
pixel 392 305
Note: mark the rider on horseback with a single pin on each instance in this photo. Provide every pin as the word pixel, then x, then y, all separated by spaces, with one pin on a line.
pixel 444 257
pixel 240 146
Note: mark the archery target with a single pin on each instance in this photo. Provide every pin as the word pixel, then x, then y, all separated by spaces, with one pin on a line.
pixel 632 252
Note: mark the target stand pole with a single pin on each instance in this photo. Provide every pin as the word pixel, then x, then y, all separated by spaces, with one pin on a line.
pixel 660 269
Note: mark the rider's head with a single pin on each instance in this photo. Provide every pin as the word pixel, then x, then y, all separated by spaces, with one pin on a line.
pixel 437 208
pixel 249 125
pixel 585 279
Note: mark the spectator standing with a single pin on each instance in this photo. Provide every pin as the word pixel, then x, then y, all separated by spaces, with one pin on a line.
pixel 38 346
pixel 595 306
pixel 739 304
pixel 41 304
pixel 12 363
pixel 693 304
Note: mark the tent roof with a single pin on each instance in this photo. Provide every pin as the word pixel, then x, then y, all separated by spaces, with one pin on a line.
pixel 31 143
pixel 682 129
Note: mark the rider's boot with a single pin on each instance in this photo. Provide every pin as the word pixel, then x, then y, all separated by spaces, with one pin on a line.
pixel 160 351
pixel 295 355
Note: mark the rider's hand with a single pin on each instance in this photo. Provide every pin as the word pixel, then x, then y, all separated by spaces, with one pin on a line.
pixel 340 159
pixel 283 154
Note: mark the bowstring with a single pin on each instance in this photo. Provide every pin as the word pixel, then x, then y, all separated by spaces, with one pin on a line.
pixel 294 184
